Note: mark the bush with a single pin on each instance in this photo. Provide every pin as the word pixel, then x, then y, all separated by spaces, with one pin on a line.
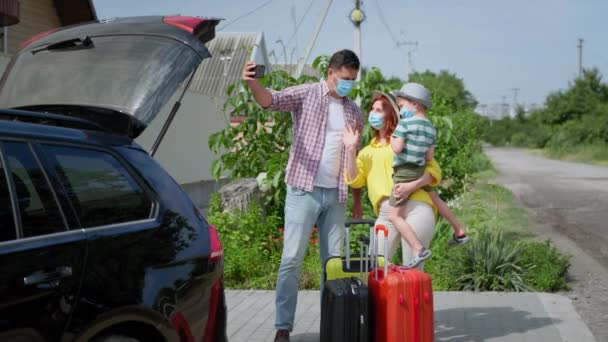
pixel 458 143
pixel 252 246
pixel 480 163
pixel 549 275
pixel 492 263
pixel 500 256
pixel 247 267
pixel 520 140
pixel 570 118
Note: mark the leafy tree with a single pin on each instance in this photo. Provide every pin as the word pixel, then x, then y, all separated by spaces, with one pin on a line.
pixel 372 79
pixel 582 97
pixel 261 142
pixel 447 87
pixel 575 116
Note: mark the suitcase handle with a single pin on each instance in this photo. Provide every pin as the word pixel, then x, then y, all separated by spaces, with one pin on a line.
pixel 378 228
pixel 381 227
pixel 359 221
pixel 361 260
pixel 347 225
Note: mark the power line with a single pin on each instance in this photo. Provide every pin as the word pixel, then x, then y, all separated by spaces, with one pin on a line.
pixel 515 92
pixel 299 23
pixel 414 45
pixel 245 15
pixel 385 23
pixel 294 18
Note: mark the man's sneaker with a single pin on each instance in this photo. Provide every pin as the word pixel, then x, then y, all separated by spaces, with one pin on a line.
pixel 458 240
pixel 282 336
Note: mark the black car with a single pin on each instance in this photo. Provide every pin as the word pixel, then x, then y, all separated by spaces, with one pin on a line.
pixel 97 241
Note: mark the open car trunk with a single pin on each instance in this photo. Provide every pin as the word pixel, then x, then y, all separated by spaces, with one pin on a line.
pixel 118 73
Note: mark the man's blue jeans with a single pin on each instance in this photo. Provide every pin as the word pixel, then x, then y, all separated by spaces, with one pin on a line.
pixel 302 211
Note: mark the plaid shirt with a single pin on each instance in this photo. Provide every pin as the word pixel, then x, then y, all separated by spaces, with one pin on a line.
pixel 309 107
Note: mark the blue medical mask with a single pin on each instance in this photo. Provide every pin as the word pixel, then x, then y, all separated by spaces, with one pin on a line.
pixel 376 120
pixel 344 87
pixel 406 113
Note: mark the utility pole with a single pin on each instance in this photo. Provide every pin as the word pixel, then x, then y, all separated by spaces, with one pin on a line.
pixel 313 39
pixel 357 16
pixel 580 57
pixel 515 92
pixel 412 46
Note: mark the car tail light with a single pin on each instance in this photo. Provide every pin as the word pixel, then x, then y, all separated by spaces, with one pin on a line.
pixel 188 24
pixel 215 255
pixel 214 301
pixel 181 326
pixel 36 37
pixel 216 245
pixel 202 28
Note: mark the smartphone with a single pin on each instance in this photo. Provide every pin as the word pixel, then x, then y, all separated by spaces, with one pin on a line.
pixel 259 71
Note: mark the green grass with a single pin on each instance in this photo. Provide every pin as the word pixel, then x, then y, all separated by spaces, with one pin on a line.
pixel 486 174
pixel 488 207
pixel 593 154
pixel 502 256
pixel 486 169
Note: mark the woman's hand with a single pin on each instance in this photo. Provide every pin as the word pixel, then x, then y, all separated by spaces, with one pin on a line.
pixel 350 138
pixel 403 190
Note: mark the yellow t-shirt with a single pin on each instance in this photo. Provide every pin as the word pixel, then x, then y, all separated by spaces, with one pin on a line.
pixel 375 165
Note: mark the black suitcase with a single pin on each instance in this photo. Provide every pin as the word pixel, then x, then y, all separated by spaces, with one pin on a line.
pixel 347 266
pixel 345 311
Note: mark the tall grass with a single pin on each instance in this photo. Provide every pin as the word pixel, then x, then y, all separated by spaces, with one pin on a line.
pixel 492 263
pixel 588 153
pixel 501 255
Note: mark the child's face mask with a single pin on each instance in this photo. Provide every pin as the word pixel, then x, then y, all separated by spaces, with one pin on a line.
pixel 406 113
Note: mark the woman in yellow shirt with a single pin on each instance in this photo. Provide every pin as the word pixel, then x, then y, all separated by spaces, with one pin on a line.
pixel 373 167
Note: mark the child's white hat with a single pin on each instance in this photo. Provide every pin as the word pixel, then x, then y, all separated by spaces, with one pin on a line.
pixel 416 92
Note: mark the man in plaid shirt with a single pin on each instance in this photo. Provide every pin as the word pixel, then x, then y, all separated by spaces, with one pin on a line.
pixel 316 188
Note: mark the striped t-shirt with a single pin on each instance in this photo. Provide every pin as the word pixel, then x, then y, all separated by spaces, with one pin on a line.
pixel 419 135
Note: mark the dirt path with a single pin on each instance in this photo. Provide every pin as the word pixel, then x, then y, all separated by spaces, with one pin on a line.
pixel 568 203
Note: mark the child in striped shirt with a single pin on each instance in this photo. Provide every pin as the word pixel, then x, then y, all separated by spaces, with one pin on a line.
pixel 413 142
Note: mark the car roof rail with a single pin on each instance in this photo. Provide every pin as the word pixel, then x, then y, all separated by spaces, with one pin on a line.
pixel 46 118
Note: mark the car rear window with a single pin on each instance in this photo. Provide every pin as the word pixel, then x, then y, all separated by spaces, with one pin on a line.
pixel 7 220
pixel 38 208
pixel 99 186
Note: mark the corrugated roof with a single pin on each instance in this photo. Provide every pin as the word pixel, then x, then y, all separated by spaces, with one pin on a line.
pixel 230 52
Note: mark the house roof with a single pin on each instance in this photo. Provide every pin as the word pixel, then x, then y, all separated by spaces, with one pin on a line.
pixel 75 11
pixel 230 51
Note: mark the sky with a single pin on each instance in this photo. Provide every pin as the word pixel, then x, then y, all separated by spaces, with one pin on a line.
pixel 494 46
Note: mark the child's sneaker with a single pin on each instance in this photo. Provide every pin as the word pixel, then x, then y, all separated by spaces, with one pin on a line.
pixel 423 255
pixel 458 240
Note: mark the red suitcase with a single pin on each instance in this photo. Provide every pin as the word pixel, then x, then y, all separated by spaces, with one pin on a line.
pixel 402 300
